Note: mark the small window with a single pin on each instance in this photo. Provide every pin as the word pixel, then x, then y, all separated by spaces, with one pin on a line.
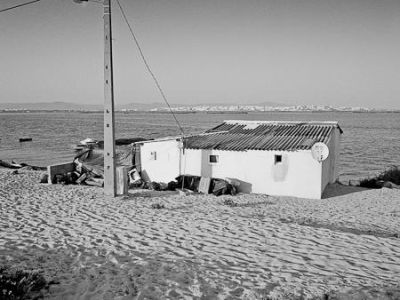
pixel 153 155
pixel 213 159
pixel 278 159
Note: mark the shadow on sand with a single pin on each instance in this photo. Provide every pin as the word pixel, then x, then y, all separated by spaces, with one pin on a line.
pixel 337 189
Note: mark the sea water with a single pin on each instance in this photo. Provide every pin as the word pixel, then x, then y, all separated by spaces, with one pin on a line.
pixel 370 142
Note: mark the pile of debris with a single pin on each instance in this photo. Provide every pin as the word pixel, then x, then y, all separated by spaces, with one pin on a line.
pixel 88 165
pixel 88 168
pixel 206 185
pixel 78 173
pixel 187 183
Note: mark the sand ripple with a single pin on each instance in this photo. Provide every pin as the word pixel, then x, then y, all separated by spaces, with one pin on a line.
pixel 197 247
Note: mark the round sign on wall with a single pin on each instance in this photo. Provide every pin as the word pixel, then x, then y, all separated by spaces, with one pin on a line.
pixel 320 151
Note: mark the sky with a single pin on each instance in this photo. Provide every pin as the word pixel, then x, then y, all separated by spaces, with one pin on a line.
pixel 294 52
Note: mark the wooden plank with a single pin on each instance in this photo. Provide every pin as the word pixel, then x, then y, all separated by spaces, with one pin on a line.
pixel 138 162
pixel 95 182
pixel 61 169
pixel 81 178
pixel 204 185
pixel 122 180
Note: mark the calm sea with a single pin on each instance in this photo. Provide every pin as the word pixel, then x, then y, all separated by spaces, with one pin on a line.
pixel 370 143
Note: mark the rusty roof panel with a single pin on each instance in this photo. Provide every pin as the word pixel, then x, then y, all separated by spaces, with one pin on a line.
pixel 254 135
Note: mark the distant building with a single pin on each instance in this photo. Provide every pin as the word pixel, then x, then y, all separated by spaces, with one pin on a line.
pixel 270 157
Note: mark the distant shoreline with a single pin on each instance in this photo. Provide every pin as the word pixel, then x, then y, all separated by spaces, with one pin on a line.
pixel 197 112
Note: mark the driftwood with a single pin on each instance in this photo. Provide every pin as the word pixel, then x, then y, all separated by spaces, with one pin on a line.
pixel 81 178
pixel 10 166
pixel 95 182
pixel 35 168
pixel 14 165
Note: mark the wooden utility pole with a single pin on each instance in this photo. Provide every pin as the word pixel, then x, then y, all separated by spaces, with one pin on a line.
pixel 109 132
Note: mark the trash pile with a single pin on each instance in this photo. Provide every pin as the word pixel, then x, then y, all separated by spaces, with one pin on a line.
pixel 78 174
pixel 84 173
pixel 191 183
pixel 88 167
pixel 217 186
pixel 136 181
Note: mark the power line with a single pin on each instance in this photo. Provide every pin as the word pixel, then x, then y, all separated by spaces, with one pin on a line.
pixel 19 5
pixel 148 67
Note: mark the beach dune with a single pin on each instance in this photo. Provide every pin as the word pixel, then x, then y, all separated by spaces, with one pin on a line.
pixel 198 246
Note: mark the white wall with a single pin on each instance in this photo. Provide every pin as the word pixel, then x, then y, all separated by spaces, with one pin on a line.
pixel 167 163
pixel 297 175
pixel 329 166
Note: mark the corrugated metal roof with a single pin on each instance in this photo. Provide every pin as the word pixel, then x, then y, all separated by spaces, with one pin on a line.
pixel 263 135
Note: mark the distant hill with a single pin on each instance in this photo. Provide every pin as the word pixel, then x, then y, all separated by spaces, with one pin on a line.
pixel 75 107
pixel 198 107
pixel 148 106
pixel 51 106
pixel 141 106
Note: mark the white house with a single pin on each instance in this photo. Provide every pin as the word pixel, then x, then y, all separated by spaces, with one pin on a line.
pixel 266 157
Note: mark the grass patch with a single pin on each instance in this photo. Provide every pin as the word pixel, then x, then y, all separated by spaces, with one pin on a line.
pixel 391 174
pixel 19 284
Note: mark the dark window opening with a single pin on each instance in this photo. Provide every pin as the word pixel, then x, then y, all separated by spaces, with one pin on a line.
pixel 213 159
pixel 153 155
pixel 278 159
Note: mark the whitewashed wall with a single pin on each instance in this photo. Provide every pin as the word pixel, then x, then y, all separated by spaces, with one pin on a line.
pixel 165 166
pixel 297 175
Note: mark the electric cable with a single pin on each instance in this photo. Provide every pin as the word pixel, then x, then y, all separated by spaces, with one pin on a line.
pixel 19 5
pixel 148 67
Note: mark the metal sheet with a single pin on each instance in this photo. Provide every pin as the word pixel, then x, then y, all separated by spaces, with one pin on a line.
pixel 277 136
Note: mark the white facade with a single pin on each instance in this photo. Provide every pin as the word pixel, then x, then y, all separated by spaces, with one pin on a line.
pixel 160 160
pixel 283 173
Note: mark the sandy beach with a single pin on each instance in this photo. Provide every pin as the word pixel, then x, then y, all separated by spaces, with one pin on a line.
pixel 199 246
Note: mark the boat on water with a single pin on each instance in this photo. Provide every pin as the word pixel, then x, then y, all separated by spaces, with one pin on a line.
pixel 79 147
pixel 25 139
pixel 87 143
